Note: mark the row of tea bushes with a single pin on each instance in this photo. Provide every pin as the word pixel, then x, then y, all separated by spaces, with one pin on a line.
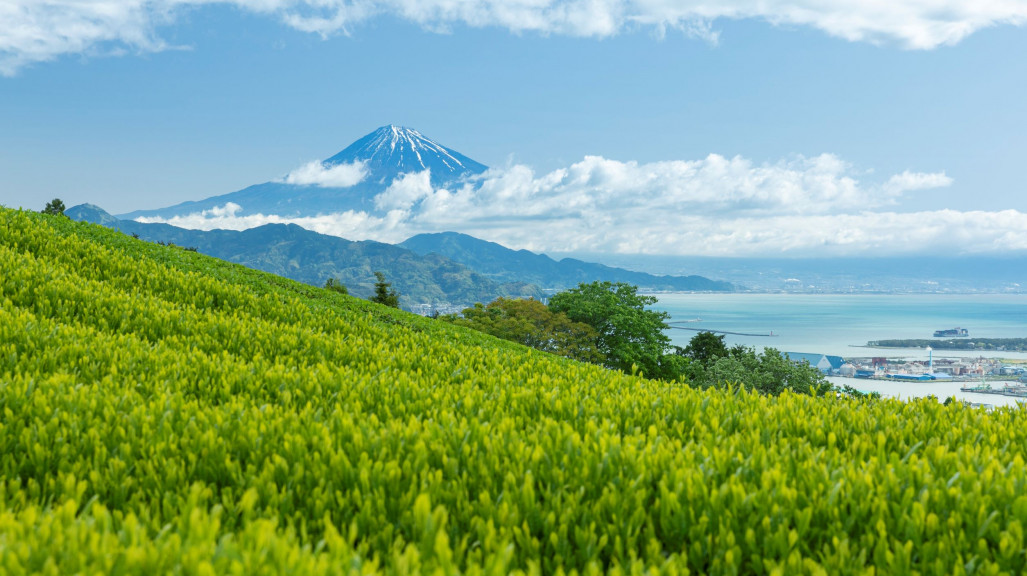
pixel 164 412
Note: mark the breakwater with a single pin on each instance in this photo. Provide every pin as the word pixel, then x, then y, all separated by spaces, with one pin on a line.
pixel 758 335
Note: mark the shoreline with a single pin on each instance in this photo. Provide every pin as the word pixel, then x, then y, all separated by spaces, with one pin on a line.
pixel 908 390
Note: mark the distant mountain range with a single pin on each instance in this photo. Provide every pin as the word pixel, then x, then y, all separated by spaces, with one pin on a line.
pixel 294 252
pixel 369 166
pixel 445 268
pixel 958 274
pixel 431 269
pixel 503 264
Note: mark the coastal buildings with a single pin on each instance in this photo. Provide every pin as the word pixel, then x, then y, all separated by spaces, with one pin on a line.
pixel 934 369
pixel 827 364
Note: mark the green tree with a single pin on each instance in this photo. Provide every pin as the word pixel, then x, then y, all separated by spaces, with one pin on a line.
pixel 55 206
pixel 531 323
pixel 768 372
pixel 705 347
pixel 383 292
pixel 629 335
pixel 336 286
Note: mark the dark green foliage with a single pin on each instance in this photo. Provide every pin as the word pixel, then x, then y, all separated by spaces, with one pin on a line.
pixel 705 348
pixel 1003 344
pixel 384 293
pixel 531 323
pixel 55 207
pixel 336 286
pixel 768 372
pixel 630 337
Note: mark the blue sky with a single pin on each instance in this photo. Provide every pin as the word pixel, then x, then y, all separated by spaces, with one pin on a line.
pixel 832 116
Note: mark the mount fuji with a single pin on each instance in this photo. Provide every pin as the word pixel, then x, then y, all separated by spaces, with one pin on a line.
pixel 373 176
pixel 349 180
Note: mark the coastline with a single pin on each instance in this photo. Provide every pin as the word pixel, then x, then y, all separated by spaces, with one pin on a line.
pixel 843 324
pixel 905 390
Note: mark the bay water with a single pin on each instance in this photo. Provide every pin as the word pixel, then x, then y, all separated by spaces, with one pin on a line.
pixel 842 324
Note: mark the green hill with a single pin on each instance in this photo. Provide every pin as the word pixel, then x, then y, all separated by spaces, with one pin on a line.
pixel 162 411
pixel 505 265
pixel 294 252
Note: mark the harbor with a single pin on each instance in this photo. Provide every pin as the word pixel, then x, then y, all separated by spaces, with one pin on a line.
pixel 1015 390
pixel 981 381
pixel 832 332
pixel 842 325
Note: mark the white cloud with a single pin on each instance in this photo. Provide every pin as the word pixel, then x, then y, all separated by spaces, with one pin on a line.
pixel 350 224
pixel 405 191
pixel 337 176
pixel 716 206
pixel 41 30
pixel 715 185
pixel 911 181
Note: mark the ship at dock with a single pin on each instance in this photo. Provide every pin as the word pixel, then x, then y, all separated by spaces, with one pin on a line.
pixel 952 333
pixel 1015 390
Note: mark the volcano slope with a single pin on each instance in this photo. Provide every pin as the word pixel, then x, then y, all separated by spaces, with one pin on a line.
pixel 162 411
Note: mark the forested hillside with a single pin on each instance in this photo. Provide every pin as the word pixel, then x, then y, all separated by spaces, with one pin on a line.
pixel 294 252
pixel 162 411
pixel 506 265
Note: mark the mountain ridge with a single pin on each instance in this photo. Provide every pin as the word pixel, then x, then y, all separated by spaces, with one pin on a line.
pixel 431 279
pixel 379 157
pixel 495 260
pixel 294 252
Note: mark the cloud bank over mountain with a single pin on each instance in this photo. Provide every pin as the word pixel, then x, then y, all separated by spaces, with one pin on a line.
pixel 316 173
pixel 716 206
pixel 42 30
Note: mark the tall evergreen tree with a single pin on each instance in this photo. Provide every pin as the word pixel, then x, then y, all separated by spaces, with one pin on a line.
pixel 383 292
pixel 55 206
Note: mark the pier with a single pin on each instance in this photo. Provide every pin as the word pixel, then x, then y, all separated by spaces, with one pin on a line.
pixel 771 334
pixel 1017 391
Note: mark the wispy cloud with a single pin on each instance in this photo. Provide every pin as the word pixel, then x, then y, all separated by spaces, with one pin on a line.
pixel 910 181
pixel 41 30
pixel 716 206
pixel 356 225
pixel 316 173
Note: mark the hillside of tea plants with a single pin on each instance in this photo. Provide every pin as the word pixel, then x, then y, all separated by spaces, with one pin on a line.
pixel 163 412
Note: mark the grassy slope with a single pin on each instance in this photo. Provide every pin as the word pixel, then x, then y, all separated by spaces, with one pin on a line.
pixel 163 411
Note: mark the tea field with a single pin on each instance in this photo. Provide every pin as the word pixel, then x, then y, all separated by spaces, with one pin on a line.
pixel 163 412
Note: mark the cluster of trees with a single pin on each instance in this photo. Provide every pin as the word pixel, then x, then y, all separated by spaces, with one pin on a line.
pixel 532 323
pixel 711 363
pixel 1005 344
pixel 610 324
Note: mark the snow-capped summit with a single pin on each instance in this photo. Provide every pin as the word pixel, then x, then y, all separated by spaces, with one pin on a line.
pixel 350 180
pixel 393 150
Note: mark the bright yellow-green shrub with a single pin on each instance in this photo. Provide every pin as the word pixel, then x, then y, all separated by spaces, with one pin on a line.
pixel 165 412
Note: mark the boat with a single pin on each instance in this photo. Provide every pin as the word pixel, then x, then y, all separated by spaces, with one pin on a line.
pixel 952 333
pixel 1015 390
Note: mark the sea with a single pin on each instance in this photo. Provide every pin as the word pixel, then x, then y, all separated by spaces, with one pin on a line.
pixel 842 324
